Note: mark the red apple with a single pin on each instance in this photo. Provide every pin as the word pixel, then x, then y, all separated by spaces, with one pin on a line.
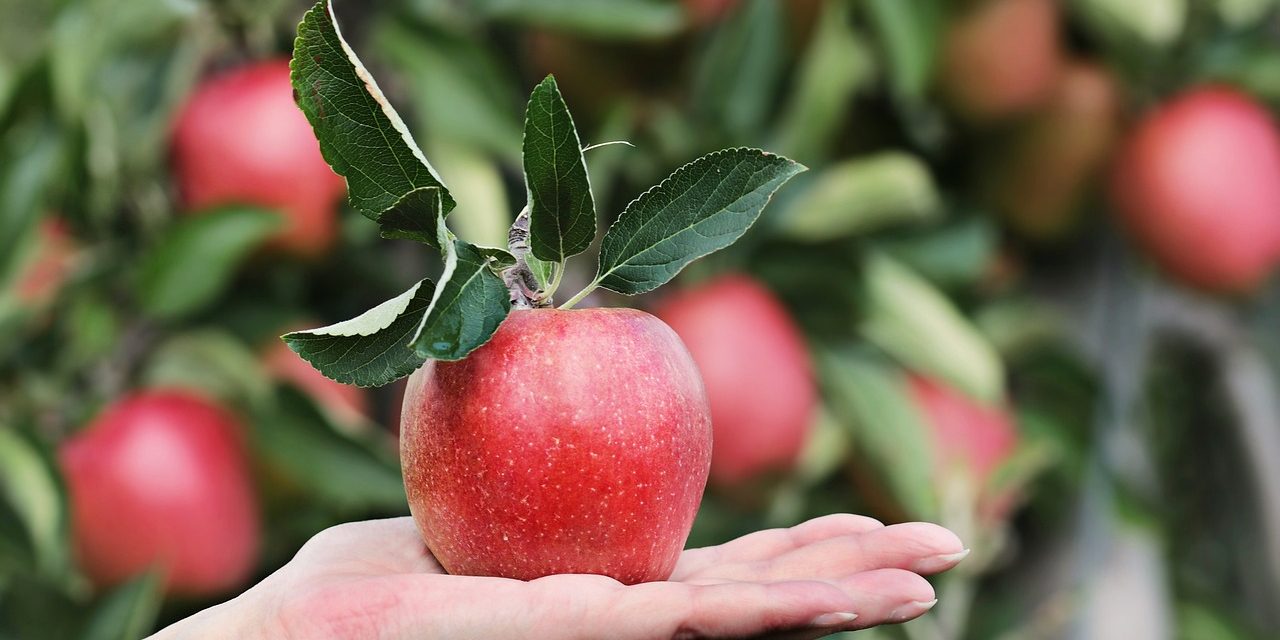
pixel 756 369
pixel 241 139
pixel 347 404
pixel 1049 163
pixel 1000 58
pixel 572 442
pixel 51 260
pixel 160 478
pixel 968 437
pixel 1198 185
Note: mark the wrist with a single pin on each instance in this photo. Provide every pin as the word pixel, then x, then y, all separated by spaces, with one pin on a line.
pixel 239 617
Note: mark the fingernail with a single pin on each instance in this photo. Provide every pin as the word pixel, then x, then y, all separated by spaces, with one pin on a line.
pixel 911 610
pixel 833 619
pixel 941 562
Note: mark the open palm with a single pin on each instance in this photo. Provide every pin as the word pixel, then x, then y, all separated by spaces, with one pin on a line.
pixel 377 580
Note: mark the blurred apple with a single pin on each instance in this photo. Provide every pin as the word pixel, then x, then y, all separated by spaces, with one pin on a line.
pixel 1000 58
pixel 1198 186
pixel 968 438
pixel 241 139
pixel 757 371
pixel 574 441
pixel 347 404
pixel 161 479
pixel 1041 174
pixel 47 265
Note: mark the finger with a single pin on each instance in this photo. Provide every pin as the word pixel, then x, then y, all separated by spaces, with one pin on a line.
pixel 918 547
pixel 887 596
pixel 563 607
pixel 375 547
pixel 763 545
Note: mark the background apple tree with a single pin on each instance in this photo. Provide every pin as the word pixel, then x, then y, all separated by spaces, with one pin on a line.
pixel 1029 271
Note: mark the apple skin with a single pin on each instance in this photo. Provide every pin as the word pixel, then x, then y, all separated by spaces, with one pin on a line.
pixel 999 58
pixel 574 441
pixel 1197 184
pixel 346 403
pixel 967 435
pixel 757 371
pixel 161 477
pixel 241 139
pixel 1053 158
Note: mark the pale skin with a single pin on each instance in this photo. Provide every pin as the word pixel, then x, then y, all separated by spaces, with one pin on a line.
pixel 376 580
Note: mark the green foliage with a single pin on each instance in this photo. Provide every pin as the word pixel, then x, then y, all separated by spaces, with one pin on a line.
pixel 367 350
pixel 704 206
pixel 194 261
pixel 861 195
pixel 469 304
pixel 562 214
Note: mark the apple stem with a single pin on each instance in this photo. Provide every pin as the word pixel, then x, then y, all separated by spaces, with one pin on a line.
pixel 580 295
pixel 518 277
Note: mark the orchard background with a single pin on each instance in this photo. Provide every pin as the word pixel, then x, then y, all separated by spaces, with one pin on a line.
pixel 1029 267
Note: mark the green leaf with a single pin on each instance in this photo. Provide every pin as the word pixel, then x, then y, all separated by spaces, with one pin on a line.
pixel 469 303
pixel 856 196
pixel 870 397
pixel 542 270
pixel 737 78
pixel 918 325
pixel 562 215
pixel 704 206
pixel 211 361
pixel 344 472
pixel 909 31
pixel 614 19
pixel 128 612
pixel 371 349
pixel 190 265
pixel 361 135
pixel 33 490
pixel 950 255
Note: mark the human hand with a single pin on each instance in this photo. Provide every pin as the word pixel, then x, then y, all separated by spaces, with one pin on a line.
pixel 377 580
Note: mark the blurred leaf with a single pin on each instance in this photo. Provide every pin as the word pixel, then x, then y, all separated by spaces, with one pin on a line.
pixel 1199 622
pixel 341 471
pixel 128 612
pixel 737 77
pixel 860 195
pixel 952 255
pixel 31 608
pixel 614 19
pixel 361 135
pixel 1154 22
pixel 904 315
pixel 562 215
pixel 909 31
pixel 459 92
pixel 483 215
pixel 371 349
pixel 30 156
pixel 887 431
pixel 1241 13
pixel 210 361
pixel 835 67
pixel 188 267
pixel 469 303
pixel 32 487
pixel 704 206
pixel 1251 62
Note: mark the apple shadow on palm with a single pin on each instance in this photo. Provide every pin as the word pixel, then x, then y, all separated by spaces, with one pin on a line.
pixel 376 579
